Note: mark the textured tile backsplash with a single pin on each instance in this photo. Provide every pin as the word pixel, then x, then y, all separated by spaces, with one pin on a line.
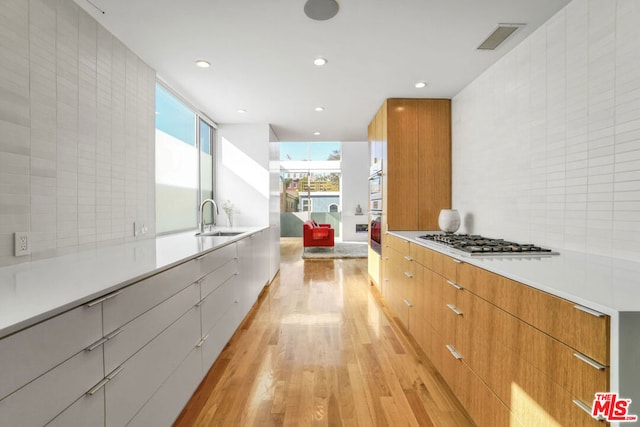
pixel 546 143
pixel 76 131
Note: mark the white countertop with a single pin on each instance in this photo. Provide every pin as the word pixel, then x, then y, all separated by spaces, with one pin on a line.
pixel 35 291
pixel 608 285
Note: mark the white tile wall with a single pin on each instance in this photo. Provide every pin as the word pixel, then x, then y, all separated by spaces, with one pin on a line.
pixel 76 131
pixel 546 143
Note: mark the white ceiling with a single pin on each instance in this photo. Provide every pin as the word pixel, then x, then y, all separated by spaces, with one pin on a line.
pixel 261 53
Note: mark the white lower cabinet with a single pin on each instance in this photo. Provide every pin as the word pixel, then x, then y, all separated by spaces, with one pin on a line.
pixel 136 355
pixel 142 375
pixel 88 411
pixel 165 405
pixel 128 339
pixel 43 399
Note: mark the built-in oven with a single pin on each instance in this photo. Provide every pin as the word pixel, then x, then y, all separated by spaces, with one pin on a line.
pixel 375 187
pixel 375 231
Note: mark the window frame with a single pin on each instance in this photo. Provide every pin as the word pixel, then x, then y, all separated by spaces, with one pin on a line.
pixel 199 117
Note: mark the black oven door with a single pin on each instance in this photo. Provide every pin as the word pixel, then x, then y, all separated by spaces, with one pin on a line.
pixel 375 234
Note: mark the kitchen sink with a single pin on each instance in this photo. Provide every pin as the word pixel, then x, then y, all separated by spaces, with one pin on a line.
pixel 221 233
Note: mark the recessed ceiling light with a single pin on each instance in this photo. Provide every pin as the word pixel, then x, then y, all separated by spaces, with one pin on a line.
pixel 421 85
pixel 320 61
pixel 203 64
pixel 321 10
pixel 319 108
pixel 241 110
pixel 316 133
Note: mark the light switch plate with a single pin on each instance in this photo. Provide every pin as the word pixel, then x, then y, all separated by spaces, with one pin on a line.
pixel 22 244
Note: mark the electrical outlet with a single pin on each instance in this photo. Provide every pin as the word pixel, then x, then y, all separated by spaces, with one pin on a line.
pixel 22 245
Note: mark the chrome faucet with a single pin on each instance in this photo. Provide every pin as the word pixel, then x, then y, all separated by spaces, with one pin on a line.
pixel 217 212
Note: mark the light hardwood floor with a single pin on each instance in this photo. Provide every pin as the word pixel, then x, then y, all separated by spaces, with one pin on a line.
pixel 319 348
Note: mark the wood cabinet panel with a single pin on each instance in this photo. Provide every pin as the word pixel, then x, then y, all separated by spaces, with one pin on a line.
pixel 402 164
pixel 434 154
pixel 482 322
pixel 558 317
pixel 396 243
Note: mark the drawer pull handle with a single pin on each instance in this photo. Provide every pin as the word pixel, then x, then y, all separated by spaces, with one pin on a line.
pixel 453 352
pixel 115 372
pixel 588 310
pixel 113 334
pixel 409 275
pixel 97 344
pixel 407 302
pixel 201 257
pixel 202 340
pixel 580 404
pixel 97 387
pixel 590 361
pixel 199 303
pixel 386 258
pixel 103 299
pixel 408 258
pixel 454 309
pixel 457 261
pixel 455 285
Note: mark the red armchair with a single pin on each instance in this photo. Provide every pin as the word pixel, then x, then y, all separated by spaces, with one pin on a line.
pixel 315 234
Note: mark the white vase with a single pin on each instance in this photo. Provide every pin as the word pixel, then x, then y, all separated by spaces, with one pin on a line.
pixel 449 220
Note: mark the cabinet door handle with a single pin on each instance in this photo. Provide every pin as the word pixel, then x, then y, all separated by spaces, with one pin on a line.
pixel 97 344
pixel 202 340
pixel 115 372
pixel 408 258
pixel 454 309
pixel 409 275
pixel 97 387
pixel 589 361
pixel 588 310
pixel 453 352
pixel 455 285
pixel 457 261
pixel 103 299
pixel 407 302
pixel 580 404
pixel 113 334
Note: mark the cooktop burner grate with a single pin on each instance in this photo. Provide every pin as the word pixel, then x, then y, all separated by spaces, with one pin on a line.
pixel 476 245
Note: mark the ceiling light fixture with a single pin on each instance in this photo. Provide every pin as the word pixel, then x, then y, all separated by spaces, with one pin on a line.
pixel 241 110
pixel 203 64
pixel 421 85
pixel 319 108
pixel 320 61
pixel 321 10
pixel 316 133
pixel 499 35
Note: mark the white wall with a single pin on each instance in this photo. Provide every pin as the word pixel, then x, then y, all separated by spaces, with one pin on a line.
pixel 243 173
pixel 76 131
pixel 546 143
pixel 274 203
pixel 355 188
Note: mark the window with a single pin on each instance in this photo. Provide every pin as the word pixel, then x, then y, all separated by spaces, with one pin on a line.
pixel 184 163
pixel 333 207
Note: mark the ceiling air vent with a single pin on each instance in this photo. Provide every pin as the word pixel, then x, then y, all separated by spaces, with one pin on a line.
pixel 499 35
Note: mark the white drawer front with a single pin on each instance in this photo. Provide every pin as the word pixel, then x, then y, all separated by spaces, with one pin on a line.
pixel 218 303
pixel 143 373
pixel 167 403
pixel 213 280
pixel 217 258
pixel 146 294
pixel 88 411
pixel 219 335
pixel 30 353
pixel 44 398
pixel 136 334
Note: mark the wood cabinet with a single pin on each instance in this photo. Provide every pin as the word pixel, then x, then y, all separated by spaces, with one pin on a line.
pixel 502 346
pixel 413 138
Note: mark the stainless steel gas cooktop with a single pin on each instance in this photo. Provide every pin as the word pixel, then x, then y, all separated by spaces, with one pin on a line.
pixel 474 245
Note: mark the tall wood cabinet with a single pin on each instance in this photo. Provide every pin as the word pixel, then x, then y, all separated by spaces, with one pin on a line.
pixel 412 137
